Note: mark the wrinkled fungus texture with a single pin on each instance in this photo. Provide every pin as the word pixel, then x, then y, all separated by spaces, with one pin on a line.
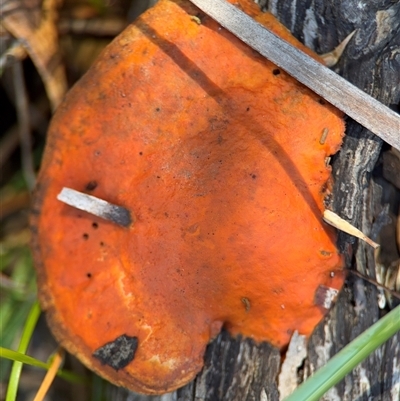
pixel 218 155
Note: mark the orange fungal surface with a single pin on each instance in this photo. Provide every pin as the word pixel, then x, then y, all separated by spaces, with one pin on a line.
pixel 221 159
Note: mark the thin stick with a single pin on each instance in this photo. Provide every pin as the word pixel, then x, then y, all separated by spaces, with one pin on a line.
pixel 98 207
pixel 336 221
pixel 50 375
pixel 394 293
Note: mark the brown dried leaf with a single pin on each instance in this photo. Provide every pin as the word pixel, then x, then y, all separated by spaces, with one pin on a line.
pixel 33 23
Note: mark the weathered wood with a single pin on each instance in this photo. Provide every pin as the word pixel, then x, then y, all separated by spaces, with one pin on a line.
pixel 241 370
pixel 236 369
pixel 371 62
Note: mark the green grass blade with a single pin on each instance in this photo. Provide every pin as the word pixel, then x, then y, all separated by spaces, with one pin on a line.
pixel 13 317
pixel 348 358
pixel 98 389
pixel 23 358
pixel 23 346
pixel 28 360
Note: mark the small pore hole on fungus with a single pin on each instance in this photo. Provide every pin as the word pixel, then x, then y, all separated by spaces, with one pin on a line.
pixel 85 236
pixel 91 185
pixel 276 71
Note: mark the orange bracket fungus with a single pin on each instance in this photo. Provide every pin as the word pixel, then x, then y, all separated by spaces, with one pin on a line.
pixel 181 192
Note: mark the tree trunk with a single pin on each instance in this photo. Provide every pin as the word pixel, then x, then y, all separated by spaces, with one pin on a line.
pixel 239 369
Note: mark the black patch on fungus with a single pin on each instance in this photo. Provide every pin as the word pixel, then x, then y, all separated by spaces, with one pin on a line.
pixel 95 225
pixel 85 236
pixel 276 71
pixel 118 353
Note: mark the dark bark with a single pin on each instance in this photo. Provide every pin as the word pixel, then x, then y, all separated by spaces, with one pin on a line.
pixel 371 62
pixel 238 369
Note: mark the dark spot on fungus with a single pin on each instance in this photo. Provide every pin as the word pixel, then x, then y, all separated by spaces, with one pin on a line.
pixel 158 109
pixel 95 225
pixel 248 109
pixel 253 176
pixel 101 243
pixel 276 71
pixel 85 236
pixel 321 101
pixel 91 185
pixel 118 353
pixel 89 275
pixel 140 153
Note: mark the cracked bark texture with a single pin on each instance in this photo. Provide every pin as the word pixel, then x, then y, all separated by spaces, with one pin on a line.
pixel 239 369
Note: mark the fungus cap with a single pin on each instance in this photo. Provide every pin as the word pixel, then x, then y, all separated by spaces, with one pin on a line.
pixel 220 159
